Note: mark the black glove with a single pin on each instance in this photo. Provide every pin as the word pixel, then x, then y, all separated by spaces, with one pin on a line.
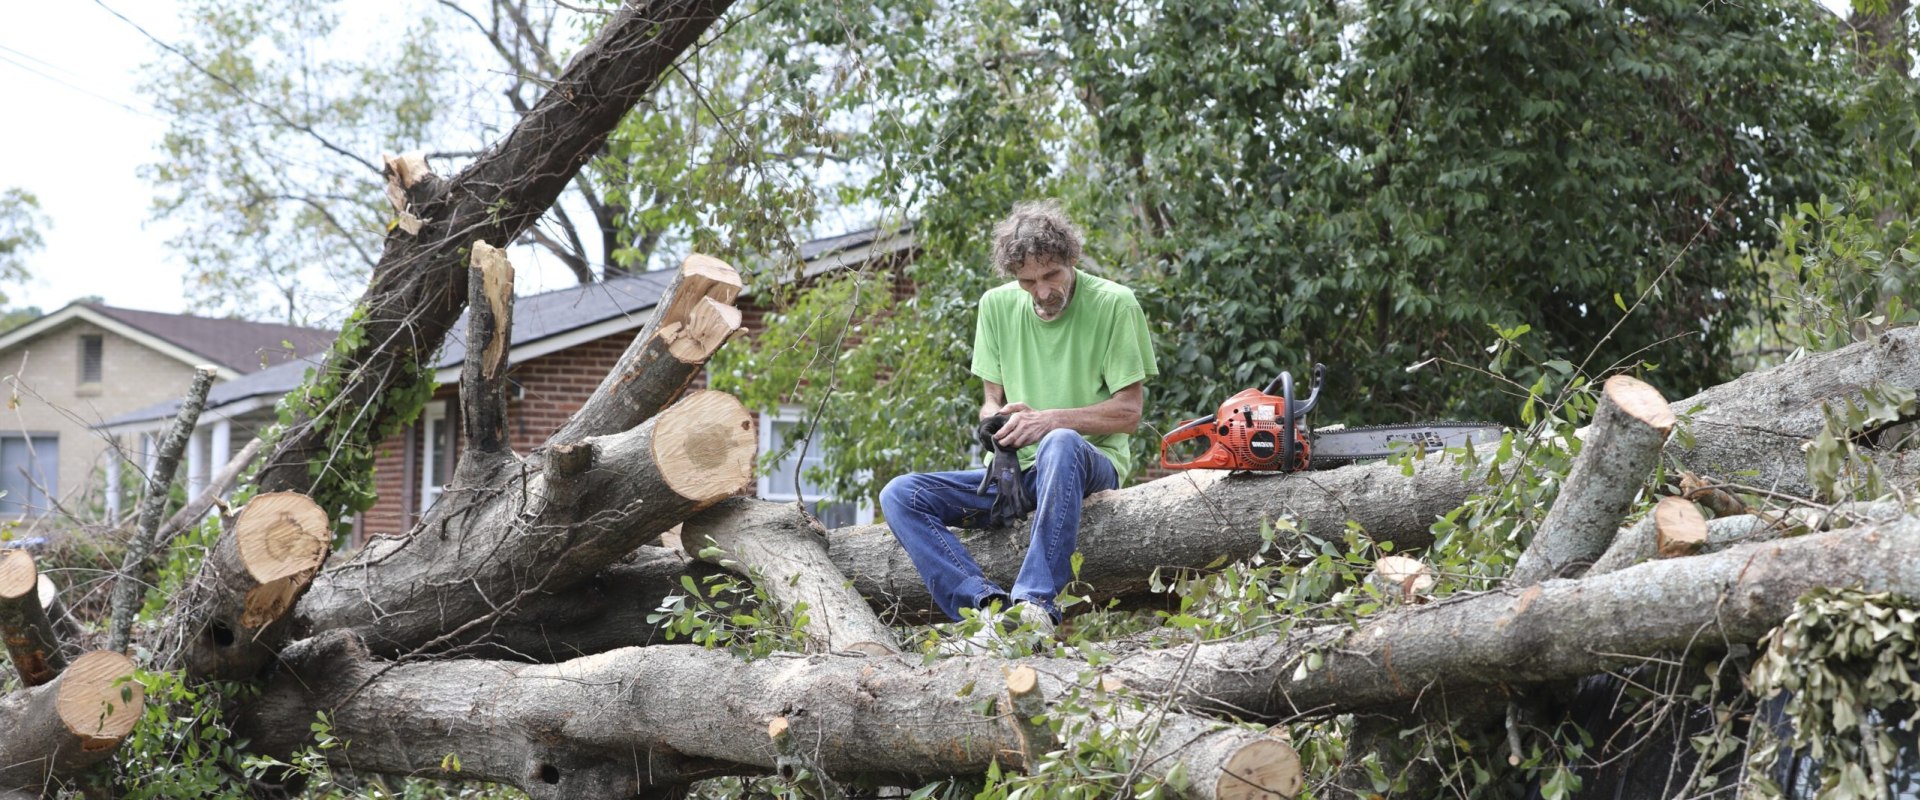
pixel 1011 501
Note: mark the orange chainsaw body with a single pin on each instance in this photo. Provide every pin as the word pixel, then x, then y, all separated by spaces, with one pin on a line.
pixel 1248 432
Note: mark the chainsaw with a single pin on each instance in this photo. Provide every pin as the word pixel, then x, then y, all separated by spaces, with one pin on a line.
pixel 1264 431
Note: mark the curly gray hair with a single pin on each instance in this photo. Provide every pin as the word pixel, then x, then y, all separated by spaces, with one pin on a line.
pixel 1038 230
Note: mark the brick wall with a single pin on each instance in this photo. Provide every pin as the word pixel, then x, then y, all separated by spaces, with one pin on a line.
pixel 552 387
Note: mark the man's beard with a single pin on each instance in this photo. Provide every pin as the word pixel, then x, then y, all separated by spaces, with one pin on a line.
pixel 1049 313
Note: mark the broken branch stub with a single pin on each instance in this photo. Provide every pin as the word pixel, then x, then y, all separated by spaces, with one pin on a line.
pixel 31 641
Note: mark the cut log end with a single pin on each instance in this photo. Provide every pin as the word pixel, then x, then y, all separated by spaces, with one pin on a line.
pixel 99 701
pixel 717 279
pixel 17 574
pixel 1022 681
pixel 1266 769
pixel 777 729
pixel 1679 527
pixel 706 327
pixel 1640 401
pixel 1402 578
pixel 281 534
pixel 704 446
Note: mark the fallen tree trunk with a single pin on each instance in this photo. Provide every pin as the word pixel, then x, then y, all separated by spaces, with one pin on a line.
pixel 32 643
pixel 694 316
pixel 785 552
pixel 1522 636
pixel 49 733
pixel 1754 426
pixel 639 719
pixel 597 725
pixel 591 503
pixel 1185 521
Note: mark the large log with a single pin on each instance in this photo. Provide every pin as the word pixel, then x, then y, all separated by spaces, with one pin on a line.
pixel 1186 521
pixel 1616 459
pixel 785 552
pixel 1556 630
pixel 49 733
pixel 252 574
pixel 592 503
pixel 32 643
pixel 1754 427
pixel 619 723
pixel 419 287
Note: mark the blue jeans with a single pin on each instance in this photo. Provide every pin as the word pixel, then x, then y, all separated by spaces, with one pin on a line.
pixel 921 507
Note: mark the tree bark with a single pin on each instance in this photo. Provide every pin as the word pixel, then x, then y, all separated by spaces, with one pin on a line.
pixel 620 722
pixel 694 317
pixel 49 733
pixel 1191 520
pixel 127 588
pixel 32 643
pixel 250 579
pixel 1754 426
pixel 1617 456
pixel 419 286
pixel 1519 636
pixel 520 535
pixel 483 373
pixel 785 552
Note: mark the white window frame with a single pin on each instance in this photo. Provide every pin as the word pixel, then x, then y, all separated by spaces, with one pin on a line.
pixel 769 443
pixel 432 485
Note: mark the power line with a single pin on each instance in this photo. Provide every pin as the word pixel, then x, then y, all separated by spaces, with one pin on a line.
pixel 70 85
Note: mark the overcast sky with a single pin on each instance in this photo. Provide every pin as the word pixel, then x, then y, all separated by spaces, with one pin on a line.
pixel 75 131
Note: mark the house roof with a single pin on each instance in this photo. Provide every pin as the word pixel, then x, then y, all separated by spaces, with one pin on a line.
pixel 236 347
pixel 542 323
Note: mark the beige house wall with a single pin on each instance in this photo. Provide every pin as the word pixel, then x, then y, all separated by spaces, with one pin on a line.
pixel 46 397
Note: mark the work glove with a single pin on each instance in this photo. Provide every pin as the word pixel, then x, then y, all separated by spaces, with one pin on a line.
pixel 1011 501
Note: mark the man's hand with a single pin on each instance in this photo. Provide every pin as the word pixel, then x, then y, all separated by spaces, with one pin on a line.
pixel 1024 425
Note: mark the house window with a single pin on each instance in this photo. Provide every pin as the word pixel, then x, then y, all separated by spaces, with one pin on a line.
pixel 29 473
pixel 779 434
pixel 436 453
pixel 92 357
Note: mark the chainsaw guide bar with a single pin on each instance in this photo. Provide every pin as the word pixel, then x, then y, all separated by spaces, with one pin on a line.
pixel 1260 430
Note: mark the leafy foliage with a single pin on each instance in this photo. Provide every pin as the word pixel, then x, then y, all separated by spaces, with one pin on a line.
pixel 1844 664
pixel 271 160
pixel 20 225
pixel 1299 181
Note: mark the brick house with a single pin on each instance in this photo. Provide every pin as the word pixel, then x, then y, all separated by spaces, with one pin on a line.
pixel 563 343
pixel 88 362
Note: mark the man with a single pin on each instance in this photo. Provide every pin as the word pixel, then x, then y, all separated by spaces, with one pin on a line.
pixel 1063 355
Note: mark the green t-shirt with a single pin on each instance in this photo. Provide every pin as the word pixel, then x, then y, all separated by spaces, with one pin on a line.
pixel 1098 346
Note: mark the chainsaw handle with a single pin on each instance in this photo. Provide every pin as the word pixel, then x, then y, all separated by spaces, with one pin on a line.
pixel 1313 395
pixel 1191 429
pixel 1286 421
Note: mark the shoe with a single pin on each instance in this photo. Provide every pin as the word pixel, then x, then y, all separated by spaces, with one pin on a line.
pixel 1034 618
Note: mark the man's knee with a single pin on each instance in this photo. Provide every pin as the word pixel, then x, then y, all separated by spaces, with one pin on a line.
pixel 899 491
pixel 1061 441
